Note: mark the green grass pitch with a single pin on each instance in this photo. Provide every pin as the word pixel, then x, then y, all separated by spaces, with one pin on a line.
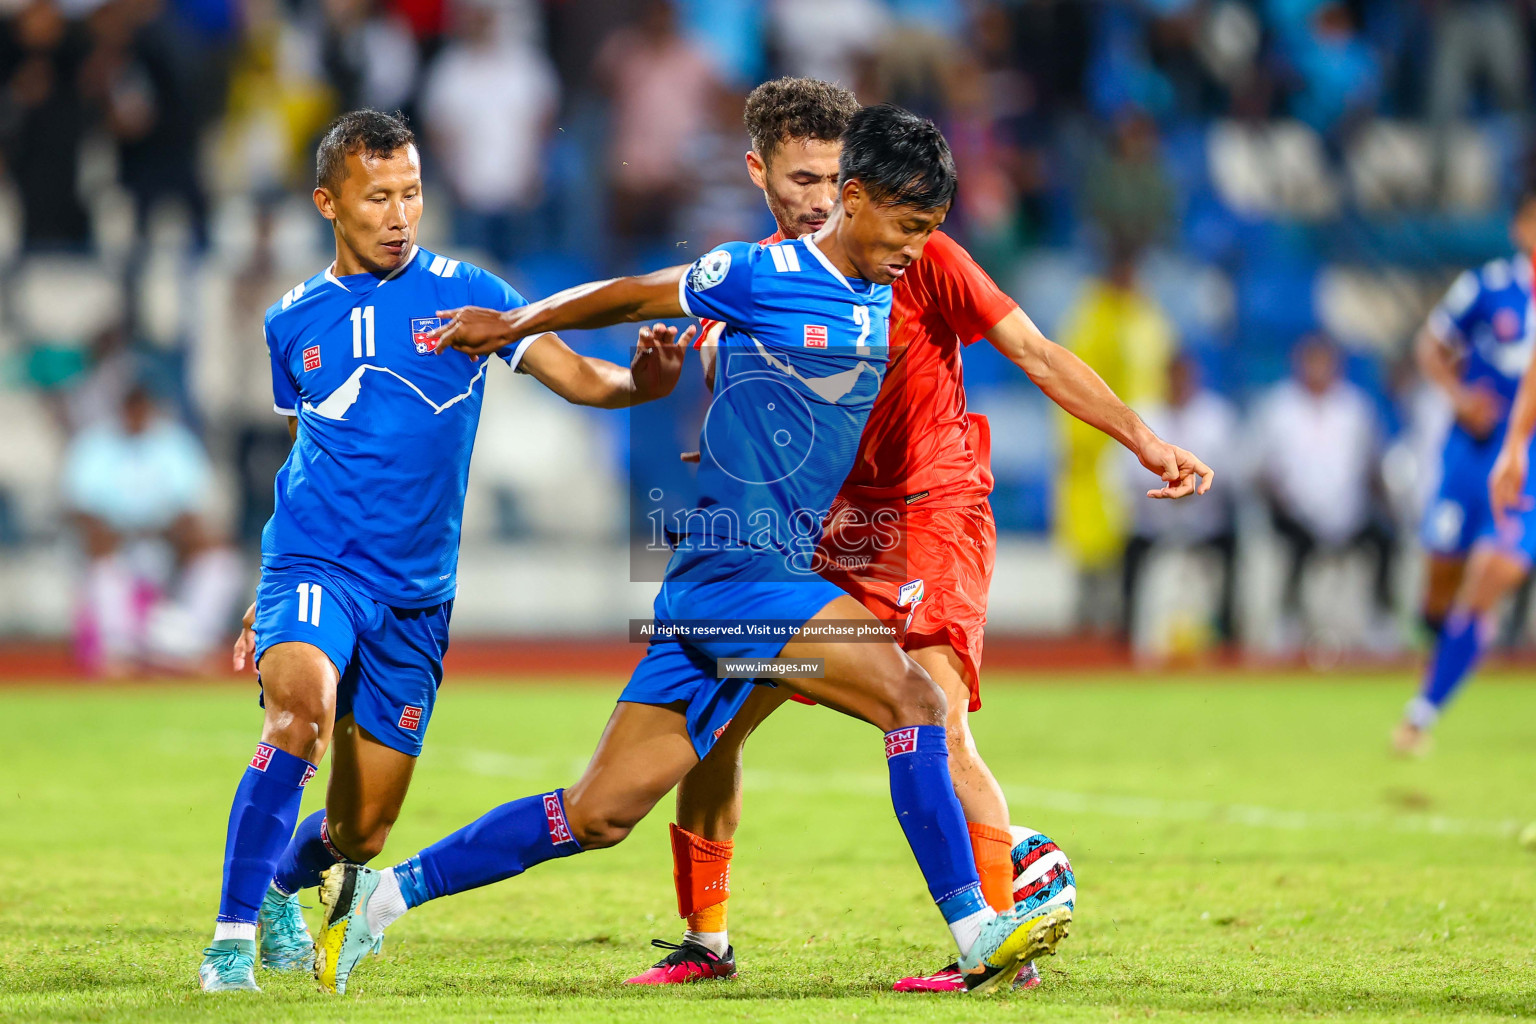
pixel 1244 847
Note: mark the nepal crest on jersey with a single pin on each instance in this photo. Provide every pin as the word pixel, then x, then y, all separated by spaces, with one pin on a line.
pixel 421 333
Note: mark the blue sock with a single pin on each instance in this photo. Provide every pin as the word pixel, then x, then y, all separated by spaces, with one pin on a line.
pixel 309 853
pixel 260 822
pixel 506 842
pixel 1457 652
pixel 924 797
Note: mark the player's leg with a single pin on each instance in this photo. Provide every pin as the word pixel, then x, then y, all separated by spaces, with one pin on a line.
pixel 299 693
pixel 644 751
pixel 306 630
pixel 708 811
pixel 363 799
pixel 1443 574
pixel 1455 520
pixel 880 684
pixel 980 796
pixel 1492 573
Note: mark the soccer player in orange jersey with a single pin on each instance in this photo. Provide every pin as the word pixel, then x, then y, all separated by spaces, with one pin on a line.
pixel 911 535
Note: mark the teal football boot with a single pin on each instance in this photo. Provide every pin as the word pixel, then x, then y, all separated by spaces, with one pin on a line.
pixel 344 937
pixel 282 935
pixel 229 965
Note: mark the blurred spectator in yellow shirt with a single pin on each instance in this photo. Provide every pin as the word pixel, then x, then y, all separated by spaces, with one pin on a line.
pixel 1128 340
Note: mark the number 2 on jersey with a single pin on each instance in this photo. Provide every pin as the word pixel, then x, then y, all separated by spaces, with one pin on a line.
pixel 861 318
pixel 362 331
pixel 309 601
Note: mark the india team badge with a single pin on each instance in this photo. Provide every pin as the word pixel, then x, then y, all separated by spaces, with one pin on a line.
pixel 421 331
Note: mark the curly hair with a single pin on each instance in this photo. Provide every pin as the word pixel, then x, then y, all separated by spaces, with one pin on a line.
pixel 371 132
pixel 796 108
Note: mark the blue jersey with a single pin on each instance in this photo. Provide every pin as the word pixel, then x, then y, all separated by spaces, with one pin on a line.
pixel 1486 315
pixel 375 482
pixel 800 362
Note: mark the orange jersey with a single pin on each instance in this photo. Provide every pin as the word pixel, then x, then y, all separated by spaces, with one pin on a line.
pixel 919 444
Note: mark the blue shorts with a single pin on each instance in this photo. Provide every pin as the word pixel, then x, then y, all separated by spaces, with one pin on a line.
pixel 1460 517
pixel 716 588
pixel 390 660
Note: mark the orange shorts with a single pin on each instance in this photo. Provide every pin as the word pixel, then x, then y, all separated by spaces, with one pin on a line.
pixel 927 568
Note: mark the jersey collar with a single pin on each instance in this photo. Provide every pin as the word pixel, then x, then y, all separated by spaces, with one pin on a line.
pixel 821 258
pixel 410 257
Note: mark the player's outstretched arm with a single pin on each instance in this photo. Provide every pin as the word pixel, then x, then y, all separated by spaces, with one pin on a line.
pixel 476 331
pixel 1506 484
pixel 583 380
pixel 1072 384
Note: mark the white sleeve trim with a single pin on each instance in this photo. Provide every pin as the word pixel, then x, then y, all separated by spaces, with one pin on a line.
pixel 284 412
pixel 522 347
pixel 682 295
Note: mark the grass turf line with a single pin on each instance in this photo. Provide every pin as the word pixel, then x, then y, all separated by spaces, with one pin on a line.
pixel 1243 852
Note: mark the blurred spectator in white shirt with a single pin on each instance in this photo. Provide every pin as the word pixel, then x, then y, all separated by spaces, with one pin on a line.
pixel 128 482
pixel 827 39
pixel 1196 418
pixel 488 107
pixel 1318 447
pixel 664 92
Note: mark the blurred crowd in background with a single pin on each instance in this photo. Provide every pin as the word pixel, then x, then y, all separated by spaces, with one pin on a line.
pixel 1238 211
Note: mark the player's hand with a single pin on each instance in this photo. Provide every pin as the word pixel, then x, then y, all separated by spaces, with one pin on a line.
pixel 1479 410
pixel 1181 472
pixel 658 360
pixel 475 330
pixel 245 643
pixel 1506 484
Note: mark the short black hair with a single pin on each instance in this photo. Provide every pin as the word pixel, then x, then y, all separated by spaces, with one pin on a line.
pixel 900 159
pixel 371 132
pixel 796 108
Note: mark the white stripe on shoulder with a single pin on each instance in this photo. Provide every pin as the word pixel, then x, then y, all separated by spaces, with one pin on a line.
pixel 791 258
pixel 438 263
pixel 293 295
pixel 779 263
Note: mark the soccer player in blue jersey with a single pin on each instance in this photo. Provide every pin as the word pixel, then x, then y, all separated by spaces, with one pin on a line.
pixel 351 617
pixel 1476 344
pixel 800 362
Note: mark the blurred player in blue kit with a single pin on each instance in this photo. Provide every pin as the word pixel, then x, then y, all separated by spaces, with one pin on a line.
pixel 800 362
pixel 350 622
pixel 1474 347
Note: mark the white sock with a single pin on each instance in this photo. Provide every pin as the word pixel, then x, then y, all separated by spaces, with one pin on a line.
pixel 1422 713
pixel 968 929
pixel 386 905
pixel 716 942
pixel 233 930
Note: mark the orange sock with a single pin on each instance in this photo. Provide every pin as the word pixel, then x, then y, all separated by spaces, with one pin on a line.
pixel 701 870
pixel 992 848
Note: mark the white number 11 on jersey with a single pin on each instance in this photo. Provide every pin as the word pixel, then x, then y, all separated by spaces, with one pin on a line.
pixel 362 331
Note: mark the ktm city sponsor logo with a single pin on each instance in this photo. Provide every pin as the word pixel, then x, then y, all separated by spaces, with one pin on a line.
pixel 262 757
pixel 309 773
pixel 815 335
pixel 559 828
pixel 410 718
pixel 900 741
pixel 312 358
